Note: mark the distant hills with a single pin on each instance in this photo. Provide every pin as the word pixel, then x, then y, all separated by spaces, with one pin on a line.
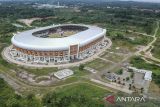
pixel 66 0
pixel 158 1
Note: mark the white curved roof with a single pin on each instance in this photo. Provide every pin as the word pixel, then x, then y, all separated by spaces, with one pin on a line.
pixel 28 41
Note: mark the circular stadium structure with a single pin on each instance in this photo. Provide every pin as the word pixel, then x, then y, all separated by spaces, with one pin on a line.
pixel 58 44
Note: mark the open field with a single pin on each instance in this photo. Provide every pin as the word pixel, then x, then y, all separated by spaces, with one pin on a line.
pixel 99 64
pixel 134 38
pixel 40 71
pixel 82 88
pixel 156 49
pixel 115 57
pixel 78 72
pixel 81 94
pixel 124 47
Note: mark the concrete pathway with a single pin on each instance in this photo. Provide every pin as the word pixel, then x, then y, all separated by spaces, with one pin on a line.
pixel 122 89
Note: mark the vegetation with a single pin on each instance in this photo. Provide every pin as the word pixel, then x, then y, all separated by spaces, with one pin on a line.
pixel 40 71
pixel 127 78
pixel 98 64
pixel 81 67
pixel 8 98
pixel 141 64
pixel 78 71
pixel 132 74
pixel 156 49
pixel 132 38
pixel 79 95
pixel 122 24
pixel 7 28
pixel 119 72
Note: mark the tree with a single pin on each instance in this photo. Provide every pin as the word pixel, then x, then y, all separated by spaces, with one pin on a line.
pixel 127 78
pixel 142 89
pixel 120 71
pixel 81 67
pixel 132 75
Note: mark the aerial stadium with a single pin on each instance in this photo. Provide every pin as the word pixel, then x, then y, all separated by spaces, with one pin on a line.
pixel 58 44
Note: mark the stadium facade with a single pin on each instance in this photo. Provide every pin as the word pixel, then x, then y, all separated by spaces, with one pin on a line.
pixel 36 46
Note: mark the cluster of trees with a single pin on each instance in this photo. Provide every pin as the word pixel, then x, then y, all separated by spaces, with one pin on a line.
pixel 76 100
pixel 120 72
pixel 23 11
pixel 139 40
pixel 100 14
pixel 8 98
pixel 6 28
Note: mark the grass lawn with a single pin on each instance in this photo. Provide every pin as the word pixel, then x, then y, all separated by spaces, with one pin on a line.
pixel 99 64
pixel 158 33
pixel 112 57
pixel 78 72
pixel 124 47
pixel 76 95
pixel 82 88
pixel 40 71
pixel 65 34
pixel 156 49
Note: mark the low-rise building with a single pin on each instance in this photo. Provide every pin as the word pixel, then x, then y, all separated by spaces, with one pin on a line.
pixel 63 73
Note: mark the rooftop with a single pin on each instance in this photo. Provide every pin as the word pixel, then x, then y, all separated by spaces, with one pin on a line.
pixel 63 73
pixel 28 41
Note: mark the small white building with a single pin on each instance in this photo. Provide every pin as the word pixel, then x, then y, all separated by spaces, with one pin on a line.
pixel 63 73
pixel 148 74
pixel 142 78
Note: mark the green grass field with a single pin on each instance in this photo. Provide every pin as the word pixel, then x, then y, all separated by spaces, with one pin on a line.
pixel 77 95
pixel 156 49
pixel 78 72
pixel 99 64
pixel 41 71
pixel 65 34
pixel 82 88
pixel 112 57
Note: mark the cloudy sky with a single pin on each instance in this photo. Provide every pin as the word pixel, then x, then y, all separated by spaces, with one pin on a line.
pixel 144 0
pixel 157 1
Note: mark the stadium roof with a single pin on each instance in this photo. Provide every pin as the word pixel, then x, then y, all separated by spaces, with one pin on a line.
pixel 28 41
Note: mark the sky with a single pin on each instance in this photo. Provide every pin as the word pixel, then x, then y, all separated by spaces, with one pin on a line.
pixel 156 1
pixel 144 0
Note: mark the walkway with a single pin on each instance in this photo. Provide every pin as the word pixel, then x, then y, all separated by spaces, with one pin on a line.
pixel 122 89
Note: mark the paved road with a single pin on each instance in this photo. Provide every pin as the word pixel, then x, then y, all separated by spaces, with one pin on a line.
pixel 122 89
